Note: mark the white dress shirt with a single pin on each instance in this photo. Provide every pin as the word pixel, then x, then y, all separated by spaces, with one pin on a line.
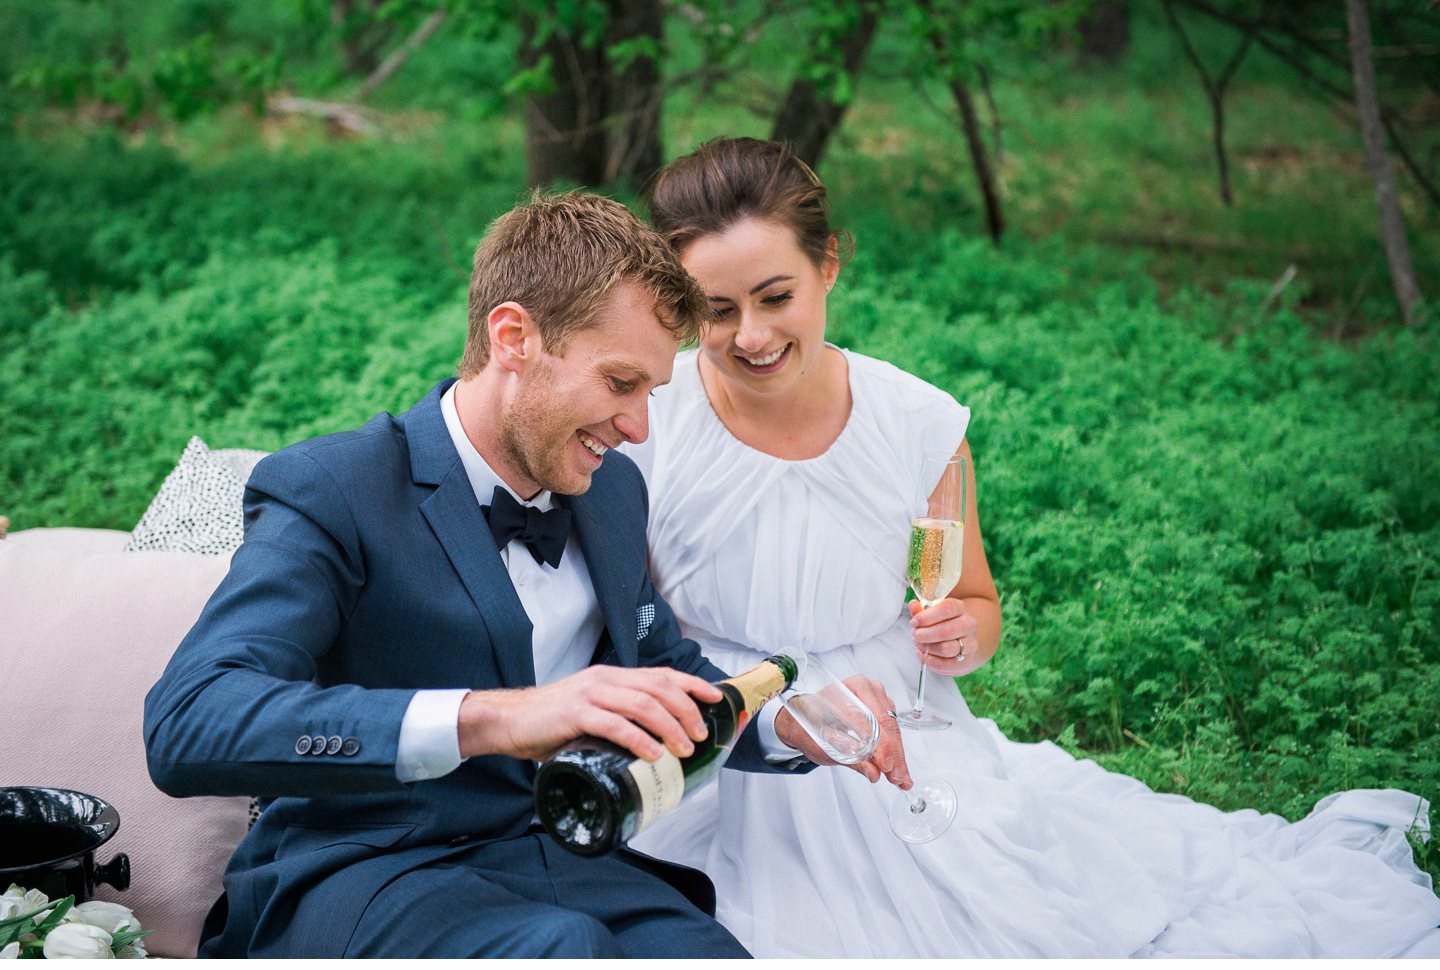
pixel 564 613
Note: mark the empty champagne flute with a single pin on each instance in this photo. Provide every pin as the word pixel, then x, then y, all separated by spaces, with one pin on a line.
pixel 848 732
pixel 828 711
pixel 937 541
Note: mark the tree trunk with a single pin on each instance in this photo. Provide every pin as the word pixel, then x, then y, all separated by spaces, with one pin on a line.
pixel 984 174
pixel 599 126
pixel 939 33
pixel 808 119
pixel 362 34
pixel 1392 224
pixel 564 135
pixel 633 100
pixel 1215 91
pixel 1217 138
pixel 1105 30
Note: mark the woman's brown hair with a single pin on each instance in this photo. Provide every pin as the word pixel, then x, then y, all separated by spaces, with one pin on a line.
pixel 730 179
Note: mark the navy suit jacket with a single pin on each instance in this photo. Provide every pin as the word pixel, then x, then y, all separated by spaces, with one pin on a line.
pixel 368 573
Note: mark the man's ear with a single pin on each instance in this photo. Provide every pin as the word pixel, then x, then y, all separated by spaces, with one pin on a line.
pixel 514 338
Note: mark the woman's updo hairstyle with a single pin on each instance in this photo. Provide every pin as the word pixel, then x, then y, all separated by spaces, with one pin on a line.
pixel 730 179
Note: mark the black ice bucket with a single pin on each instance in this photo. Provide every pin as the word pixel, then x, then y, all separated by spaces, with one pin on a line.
pixel 48 838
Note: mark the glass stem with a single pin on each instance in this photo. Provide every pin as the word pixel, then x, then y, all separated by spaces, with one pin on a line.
pixel 919 707
pixel 920 690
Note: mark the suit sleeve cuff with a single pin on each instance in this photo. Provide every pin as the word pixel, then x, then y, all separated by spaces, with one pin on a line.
pixel 429 745
pixel 775 751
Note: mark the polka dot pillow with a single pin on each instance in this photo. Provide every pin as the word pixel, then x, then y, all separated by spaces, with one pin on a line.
pixel 198 508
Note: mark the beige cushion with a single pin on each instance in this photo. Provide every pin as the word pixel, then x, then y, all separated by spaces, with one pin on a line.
pixel 85 630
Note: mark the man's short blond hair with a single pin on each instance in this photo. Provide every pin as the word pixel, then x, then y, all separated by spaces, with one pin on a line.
pixel 560 257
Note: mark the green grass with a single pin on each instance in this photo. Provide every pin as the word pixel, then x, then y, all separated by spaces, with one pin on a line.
pixel 1216 532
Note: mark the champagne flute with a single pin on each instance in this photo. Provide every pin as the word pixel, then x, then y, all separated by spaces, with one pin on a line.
pixel 927 810
pixel 828 711
pixel 848 732
pixel 937 541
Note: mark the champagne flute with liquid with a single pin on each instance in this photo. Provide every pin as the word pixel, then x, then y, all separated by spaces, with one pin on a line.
pixel 937 541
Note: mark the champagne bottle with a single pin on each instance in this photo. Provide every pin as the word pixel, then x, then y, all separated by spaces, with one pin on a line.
pixel 593 796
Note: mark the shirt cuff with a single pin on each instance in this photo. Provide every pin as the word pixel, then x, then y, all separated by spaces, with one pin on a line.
pixel 776 752
pixel 429 745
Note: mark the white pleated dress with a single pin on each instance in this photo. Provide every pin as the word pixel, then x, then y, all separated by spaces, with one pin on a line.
pixel 1049 855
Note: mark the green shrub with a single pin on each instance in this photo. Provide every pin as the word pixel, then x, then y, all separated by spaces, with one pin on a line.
pixel 1217 536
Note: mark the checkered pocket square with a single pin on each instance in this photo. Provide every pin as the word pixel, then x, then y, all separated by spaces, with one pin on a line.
pixel 644 617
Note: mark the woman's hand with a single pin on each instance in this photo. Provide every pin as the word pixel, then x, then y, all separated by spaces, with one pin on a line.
pixel 888 758
pixel 946 637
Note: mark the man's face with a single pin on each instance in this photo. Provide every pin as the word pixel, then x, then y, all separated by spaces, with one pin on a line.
pixel 566 412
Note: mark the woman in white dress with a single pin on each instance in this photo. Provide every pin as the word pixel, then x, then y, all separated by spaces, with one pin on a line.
pixel 783 474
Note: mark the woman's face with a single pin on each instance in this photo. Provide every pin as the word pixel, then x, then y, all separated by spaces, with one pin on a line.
pixel 769 303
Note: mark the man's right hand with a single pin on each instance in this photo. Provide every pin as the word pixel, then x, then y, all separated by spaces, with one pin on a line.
pixel 630 707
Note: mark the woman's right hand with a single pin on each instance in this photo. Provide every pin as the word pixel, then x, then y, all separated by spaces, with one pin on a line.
pixel 888 758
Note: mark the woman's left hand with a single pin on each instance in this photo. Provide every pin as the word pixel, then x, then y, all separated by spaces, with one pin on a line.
pixel 946 636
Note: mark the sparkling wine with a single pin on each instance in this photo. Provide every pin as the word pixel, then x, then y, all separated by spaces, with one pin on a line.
pixel 593 796
pixel 935 557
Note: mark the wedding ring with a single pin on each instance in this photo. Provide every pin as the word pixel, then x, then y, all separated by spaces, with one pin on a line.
pixel 891 713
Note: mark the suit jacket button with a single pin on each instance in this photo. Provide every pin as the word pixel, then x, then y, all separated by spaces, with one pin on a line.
pixel 333 745
pixel 317 744
pixel 350 747
pixel 302 744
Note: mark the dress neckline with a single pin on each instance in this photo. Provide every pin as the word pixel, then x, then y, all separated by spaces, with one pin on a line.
pixel 829 449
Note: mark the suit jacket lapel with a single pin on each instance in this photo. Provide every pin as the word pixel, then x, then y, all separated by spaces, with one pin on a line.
pixel 599 541
pixel 455 517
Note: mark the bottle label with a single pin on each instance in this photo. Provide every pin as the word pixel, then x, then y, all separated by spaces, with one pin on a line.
pixel 661 785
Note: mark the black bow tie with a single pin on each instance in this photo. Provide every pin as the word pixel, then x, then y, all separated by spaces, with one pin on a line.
pixel 544 533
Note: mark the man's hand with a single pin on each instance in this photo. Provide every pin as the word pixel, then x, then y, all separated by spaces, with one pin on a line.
pixel 625 706
pixel 888 758
pixel 946 639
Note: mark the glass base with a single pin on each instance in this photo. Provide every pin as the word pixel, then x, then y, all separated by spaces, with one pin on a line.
pixel 923 721
pixel 924 812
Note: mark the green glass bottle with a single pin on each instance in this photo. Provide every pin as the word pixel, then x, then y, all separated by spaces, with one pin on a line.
pixel 593 796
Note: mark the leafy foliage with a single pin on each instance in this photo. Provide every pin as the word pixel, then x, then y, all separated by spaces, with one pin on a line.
pixel 1218 560
pixel 1217 535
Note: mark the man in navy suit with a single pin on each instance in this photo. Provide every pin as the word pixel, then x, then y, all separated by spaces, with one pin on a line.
pixel 424 605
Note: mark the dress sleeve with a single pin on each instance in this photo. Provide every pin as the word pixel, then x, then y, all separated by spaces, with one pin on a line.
pixel 933 422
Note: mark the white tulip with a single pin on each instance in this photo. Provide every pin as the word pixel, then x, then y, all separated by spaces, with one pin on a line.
pixel 110 917
pixel 11 951
pixel 77 941
pixel 17 900
pixel 132 951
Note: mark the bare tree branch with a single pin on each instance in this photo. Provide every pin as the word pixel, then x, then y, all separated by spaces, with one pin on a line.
pixel 349 117
pixel 400 55
pixel 1215 92
pixel 1328 87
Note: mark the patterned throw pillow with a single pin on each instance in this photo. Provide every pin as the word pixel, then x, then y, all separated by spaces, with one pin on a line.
pixel 198 508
